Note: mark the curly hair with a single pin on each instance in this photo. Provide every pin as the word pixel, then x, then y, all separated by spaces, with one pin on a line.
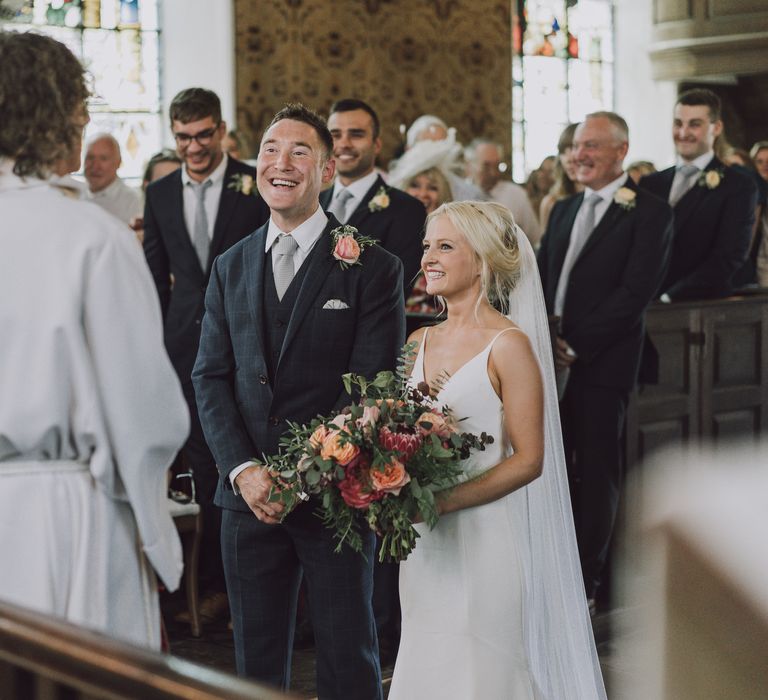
pixel 42 95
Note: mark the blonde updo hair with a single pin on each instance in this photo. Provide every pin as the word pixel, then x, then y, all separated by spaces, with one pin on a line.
pixel 489 229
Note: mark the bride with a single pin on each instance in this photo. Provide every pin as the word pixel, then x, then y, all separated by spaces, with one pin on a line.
pixel 493 601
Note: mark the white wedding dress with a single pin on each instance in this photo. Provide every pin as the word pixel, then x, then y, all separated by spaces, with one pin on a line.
pixel 493 599
pixel 462 588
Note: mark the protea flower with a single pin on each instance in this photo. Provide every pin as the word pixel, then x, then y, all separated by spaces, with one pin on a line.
pixel 405 443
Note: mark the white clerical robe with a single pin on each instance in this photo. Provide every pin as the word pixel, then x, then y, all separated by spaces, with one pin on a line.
pixel 91 416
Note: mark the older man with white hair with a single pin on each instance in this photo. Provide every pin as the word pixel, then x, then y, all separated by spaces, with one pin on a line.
pixel 105 188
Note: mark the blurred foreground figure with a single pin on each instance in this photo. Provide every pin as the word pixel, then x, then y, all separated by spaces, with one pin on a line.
pixel 91 411
pixel 695 577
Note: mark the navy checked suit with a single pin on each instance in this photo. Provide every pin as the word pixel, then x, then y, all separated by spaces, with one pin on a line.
pixel 613 280
pixel 244 404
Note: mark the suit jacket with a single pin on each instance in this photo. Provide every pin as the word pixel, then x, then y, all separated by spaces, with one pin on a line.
pixel 169 251
pixel 713 229
pixel 399 228
pixel 613 280
pixel 242 413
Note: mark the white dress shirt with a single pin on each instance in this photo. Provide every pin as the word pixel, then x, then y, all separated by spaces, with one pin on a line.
pixel 119 200
pixel 306 235
pixel 212 196
pixel 701 162
pixel 357 189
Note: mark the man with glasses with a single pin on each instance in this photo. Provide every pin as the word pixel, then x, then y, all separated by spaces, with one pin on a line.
pixel 190 217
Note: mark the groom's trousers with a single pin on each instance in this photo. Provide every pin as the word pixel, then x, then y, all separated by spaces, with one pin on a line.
pixel 263 566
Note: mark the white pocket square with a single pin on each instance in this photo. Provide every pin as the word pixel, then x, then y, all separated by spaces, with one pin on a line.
pixel 335 304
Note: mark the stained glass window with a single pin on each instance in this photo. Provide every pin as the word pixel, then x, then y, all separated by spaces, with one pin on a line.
pixel 118 42
pixel 562 69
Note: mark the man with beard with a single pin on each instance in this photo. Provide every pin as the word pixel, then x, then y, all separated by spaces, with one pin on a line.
pixel 361 198
pixel 190 217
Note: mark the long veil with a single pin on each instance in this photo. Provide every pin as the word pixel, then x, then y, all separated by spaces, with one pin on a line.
pixel 559 639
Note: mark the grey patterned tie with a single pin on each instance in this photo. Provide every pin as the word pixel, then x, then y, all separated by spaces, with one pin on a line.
pixel 579 237
pixel 200 238
pixel 685 176
pixel 283 250
pixel 339 205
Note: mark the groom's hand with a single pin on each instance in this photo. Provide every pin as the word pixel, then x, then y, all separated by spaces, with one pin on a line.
pixel 255 485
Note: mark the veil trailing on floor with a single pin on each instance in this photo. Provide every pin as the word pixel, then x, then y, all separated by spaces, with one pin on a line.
pixel 558 635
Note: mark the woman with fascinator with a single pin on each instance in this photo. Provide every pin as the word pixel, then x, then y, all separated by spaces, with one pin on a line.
pixel 492 598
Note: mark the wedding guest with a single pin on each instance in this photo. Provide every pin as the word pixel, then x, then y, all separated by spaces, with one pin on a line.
pixel 92 413
pixel 105 188
pixel 759 155
pixel 493 604
pixel 427 127
pixel 159 165
pixel 191 216
pixel 639 169
pixel 235 144
pixel 536 187
pixel 547 170
pixel 284 321
pixel 361 198
pixel 714 204
pixel 565 175
pixel 602 258
pixel 423 173
pixel 483 160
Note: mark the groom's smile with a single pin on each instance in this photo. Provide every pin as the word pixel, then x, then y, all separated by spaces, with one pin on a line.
pixel 291 168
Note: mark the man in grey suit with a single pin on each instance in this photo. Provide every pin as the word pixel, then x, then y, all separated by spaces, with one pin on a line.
pixel 283 321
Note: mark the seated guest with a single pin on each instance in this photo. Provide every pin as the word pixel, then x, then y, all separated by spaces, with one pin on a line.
pixel 565 175
pixel 235 145
pixel 714 204
pixel 423 173
pixel 105 188
pixel 92 413
pixel 639 169
pixel 483 160
pixel 361 198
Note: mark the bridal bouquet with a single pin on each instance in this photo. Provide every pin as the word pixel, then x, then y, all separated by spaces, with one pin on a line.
pixel 382 458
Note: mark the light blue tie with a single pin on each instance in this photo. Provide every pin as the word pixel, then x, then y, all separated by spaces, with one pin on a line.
pixel 200 237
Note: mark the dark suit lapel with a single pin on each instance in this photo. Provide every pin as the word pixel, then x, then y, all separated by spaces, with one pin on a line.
pixel 325 198
pixel 666 177
pixel 564 239
pixel 253 259
pixel 362 211
pixel 321 262
pixel 227 205
pixel 690 202
pixel 607 223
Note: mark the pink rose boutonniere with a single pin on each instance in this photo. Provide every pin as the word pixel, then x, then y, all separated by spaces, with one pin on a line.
pixel 347 245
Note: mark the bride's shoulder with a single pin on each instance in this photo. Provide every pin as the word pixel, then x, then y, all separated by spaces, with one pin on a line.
pixel 510 339
pixel 417 336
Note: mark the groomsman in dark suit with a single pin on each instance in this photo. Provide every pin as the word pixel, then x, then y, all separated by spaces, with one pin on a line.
pixel 361 198
pixel 602 258
pixel 284 320
pixel 190 217
pixel 714 204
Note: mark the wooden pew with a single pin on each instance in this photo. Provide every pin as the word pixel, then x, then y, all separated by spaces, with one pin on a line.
pixel 42 658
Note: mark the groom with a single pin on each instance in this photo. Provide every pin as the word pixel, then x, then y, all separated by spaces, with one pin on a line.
pixel 284 320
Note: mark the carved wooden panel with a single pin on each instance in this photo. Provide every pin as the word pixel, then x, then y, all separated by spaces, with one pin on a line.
pixel 672 10
pixel 734 8
pixel 451 58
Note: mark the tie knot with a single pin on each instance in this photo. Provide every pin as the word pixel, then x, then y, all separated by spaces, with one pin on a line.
pixel 594 199
pixel 199 188
pixel 343 196
pixel 688 169
pixel 285 244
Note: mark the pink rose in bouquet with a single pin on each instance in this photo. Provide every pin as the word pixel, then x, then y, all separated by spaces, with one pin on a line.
pixel 431 422
pixel 354 487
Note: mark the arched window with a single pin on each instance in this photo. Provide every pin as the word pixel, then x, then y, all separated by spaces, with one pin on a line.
pixel 562 69
pixel 118 42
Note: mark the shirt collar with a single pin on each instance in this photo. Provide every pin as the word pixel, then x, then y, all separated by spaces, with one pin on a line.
pixel 305 234
pixel 358 188
pixel 701 162
pixel 215 177
pixel 606 193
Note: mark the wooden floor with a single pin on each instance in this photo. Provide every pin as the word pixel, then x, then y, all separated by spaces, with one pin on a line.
pixel 216 648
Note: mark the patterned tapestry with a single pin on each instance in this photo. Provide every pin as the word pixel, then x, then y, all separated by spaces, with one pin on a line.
pixel 451 58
